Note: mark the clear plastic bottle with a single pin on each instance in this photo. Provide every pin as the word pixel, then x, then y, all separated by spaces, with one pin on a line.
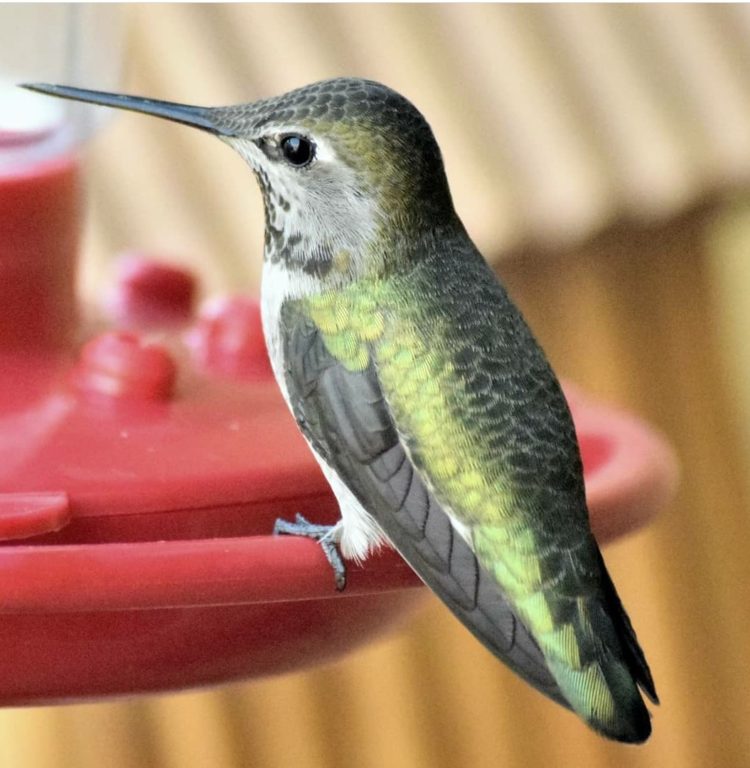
pixel 66 43
pixel 40 200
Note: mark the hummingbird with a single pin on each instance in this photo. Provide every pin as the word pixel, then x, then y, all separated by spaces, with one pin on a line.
pixel 427 401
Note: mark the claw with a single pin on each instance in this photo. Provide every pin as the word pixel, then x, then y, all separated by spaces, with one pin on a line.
pixel 324 535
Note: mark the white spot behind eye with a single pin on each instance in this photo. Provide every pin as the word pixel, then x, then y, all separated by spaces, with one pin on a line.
pixel 323 150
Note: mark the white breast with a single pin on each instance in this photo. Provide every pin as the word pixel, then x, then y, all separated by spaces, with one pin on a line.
pixel 357 532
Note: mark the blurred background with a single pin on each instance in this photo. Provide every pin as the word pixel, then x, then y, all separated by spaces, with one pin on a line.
pixel 600 157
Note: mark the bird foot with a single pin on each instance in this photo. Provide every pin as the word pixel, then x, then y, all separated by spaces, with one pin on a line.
pixel 325 535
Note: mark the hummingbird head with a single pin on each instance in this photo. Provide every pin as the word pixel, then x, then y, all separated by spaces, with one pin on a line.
pixel 349 169
pixel 346 166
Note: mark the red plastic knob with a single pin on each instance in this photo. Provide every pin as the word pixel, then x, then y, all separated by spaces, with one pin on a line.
pixel 228 338
pixel 121 364
pixel 150 293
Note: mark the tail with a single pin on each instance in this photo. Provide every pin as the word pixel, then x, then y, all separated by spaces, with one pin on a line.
pixel 602 666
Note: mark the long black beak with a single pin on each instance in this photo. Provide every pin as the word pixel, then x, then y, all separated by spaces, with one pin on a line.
pixel 197 117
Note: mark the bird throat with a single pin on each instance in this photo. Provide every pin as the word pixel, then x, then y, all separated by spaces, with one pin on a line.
pixel 331 250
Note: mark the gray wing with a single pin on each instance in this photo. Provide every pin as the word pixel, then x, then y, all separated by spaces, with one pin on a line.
pixel 345 417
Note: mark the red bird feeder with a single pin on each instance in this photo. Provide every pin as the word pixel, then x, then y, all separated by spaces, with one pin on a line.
pixel 142 468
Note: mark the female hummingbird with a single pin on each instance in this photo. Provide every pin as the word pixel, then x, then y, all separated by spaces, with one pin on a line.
pixel 428 403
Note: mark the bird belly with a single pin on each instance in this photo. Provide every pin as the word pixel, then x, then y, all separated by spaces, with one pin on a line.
pixel 358 534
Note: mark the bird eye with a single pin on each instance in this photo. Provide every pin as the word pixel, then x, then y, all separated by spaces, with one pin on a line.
pixel 297 150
